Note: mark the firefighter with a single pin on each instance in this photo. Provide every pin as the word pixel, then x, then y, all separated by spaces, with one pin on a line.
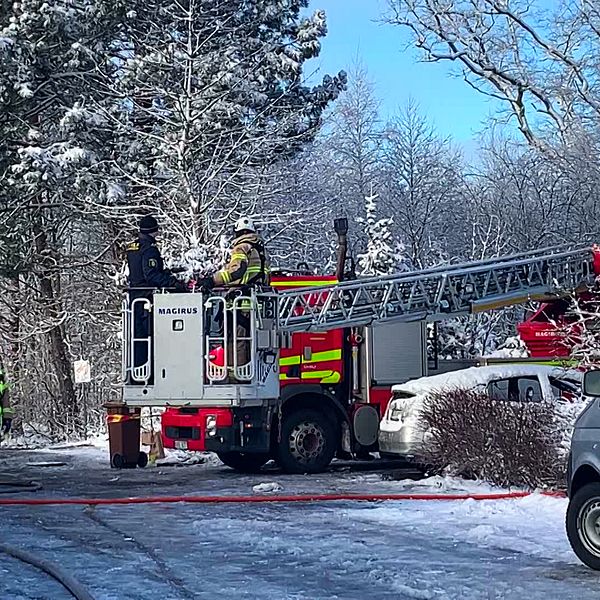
pixel 248 266
pixel 146 272
pixel 6 413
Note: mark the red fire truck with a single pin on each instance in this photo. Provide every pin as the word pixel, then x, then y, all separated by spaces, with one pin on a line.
pixel 322 376
pixel 347 343
pixel 319 372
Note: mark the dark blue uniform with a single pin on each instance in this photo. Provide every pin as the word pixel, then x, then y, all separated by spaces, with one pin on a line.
pixel 146 267
pixel 146 270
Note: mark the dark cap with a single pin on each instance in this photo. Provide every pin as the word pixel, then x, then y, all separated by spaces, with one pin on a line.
pixel 148 224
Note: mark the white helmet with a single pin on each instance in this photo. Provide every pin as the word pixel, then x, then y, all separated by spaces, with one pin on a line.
pixel 244 224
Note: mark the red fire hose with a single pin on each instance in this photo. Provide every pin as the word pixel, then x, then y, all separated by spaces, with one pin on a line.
pixel 263 499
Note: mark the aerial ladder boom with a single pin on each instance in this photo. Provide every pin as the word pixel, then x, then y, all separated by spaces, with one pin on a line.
pixel 442 292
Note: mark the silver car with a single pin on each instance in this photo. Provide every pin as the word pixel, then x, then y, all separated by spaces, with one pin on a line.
pixel 401 431
pixel 583 478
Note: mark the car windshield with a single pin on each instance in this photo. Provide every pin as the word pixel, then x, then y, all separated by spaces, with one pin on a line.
pixel 568 390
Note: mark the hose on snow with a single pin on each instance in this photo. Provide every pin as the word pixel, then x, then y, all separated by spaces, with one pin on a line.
pixel 77 590
pixel 264 499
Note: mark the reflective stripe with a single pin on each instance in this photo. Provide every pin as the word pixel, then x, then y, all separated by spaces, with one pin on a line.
pixel 292 284
pixel 317 357
pixel 335 377
pixel 239 255
pixel 286 361
pixel 325 356
pixel 121 418
pixel 324 376
pixel 225 276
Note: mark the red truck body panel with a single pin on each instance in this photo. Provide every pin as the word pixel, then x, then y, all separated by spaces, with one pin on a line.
pixel 314 358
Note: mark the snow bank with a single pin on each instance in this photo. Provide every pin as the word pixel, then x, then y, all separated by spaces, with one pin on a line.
pixel 187 458
pixel 533 525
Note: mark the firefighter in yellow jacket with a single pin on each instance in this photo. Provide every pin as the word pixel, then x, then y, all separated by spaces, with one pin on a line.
pixel 248 266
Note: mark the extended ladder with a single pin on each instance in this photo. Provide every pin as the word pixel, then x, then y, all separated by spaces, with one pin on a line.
pixel 441 292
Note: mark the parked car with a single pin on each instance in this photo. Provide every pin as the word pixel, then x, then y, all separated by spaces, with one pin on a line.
pixel 583 478
pixel 401 431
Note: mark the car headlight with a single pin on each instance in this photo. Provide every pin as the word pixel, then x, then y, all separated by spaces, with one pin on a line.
pixel 211 425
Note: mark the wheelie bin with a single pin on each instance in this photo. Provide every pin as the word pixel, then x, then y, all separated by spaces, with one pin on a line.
pixel 124 436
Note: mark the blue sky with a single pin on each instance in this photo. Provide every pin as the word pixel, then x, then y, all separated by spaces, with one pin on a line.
pixel 454 108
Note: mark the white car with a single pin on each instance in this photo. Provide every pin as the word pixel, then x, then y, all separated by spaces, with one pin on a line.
pixel 401 433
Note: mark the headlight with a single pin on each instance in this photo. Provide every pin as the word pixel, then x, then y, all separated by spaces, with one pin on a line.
pixel 211 425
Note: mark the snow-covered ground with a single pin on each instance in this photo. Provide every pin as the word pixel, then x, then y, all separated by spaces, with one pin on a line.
pixel 403 550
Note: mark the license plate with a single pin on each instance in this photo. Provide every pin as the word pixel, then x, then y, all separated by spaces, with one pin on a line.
pixel 181 444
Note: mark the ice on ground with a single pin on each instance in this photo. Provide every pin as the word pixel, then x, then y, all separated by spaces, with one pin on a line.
pixel 448 485
pixel 265 488
pixel 186 458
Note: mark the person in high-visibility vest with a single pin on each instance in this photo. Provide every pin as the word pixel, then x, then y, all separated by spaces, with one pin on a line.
pixel 6 413
pixel 248 266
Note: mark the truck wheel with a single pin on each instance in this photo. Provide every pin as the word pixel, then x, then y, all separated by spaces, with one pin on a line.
pixel 243 462
pixel 308 442
pixel 583 524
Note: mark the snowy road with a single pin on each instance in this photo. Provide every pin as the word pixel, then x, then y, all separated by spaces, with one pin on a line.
pixel 424 550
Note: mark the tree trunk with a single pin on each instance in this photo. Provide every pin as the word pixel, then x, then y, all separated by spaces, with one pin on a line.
pixel 56 334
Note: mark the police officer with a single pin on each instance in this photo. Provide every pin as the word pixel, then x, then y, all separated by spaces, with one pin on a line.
pixel 146 267
pixel 146 272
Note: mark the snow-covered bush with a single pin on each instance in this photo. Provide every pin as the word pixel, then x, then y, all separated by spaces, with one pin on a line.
pixel 505 443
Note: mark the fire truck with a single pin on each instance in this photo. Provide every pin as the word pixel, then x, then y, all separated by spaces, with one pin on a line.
pixel 321 353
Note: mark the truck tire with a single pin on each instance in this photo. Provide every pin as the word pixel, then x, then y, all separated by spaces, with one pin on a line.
pixel 243 462
pixel 583 524
pixel 308 442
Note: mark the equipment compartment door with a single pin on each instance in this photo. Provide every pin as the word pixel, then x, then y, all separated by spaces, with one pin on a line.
pixel 178 346
pixel 398 352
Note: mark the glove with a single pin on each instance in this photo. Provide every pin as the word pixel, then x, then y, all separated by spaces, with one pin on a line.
pixel 192 284
pixel 206 283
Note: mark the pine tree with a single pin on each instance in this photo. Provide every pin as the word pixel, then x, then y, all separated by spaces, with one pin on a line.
pixel 55 65
pixel 383 254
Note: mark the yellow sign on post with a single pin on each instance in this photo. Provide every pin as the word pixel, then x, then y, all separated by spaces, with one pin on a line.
pixel 82 371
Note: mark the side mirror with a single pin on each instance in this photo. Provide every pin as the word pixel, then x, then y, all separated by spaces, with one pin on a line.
pixel 591 384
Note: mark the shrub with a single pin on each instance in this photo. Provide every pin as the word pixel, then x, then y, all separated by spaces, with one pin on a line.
pixel 505 443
